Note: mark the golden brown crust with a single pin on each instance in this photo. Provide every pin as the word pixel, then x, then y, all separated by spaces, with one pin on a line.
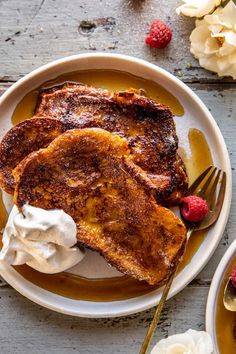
pixel 147 125
pixel 29 135
pixel 89 174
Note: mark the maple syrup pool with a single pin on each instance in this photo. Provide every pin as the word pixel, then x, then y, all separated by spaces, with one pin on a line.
pixel 118 288
pixel 225 320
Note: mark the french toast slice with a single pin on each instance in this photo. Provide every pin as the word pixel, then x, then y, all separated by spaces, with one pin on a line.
pixel 90 175
pixel 147 125
pixel 26 137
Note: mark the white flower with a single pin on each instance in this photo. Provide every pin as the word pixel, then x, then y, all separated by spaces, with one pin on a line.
pixel 213 41
pixel 197 8
pixel 190 342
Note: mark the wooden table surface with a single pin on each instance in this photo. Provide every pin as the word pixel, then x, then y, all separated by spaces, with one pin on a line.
pixel 34 32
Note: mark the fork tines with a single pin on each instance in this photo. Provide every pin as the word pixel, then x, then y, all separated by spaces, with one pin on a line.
pixel 205 186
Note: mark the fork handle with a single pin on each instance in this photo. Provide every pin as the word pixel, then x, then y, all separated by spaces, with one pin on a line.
pixel 156 316
pixel 157 313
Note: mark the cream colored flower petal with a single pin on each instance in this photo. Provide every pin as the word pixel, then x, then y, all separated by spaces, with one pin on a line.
pixel 216 29
pixel 230 37
pixel 181 342
pixel 200 33
pixel 232 58
pixel 203 342
pixel 226 50
pixel 190 342
pixel 228 15
pixel 213 19
pixel 209 63
pixel 213 41
pixel 215 66
pixel 198 39
pixel 230 71
pixel 197 8
pixel 211 46
pixel 223 64
pixel 223 15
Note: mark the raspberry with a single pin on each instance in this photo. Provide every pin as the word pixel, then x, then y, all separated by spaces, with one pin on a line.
pixel 159 35
pixel 194 208
pixel 233 277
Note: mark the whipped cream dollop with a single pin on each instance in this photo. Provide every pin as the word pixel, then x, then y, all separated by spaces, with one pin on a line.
pixel 190 342
pixel 42 239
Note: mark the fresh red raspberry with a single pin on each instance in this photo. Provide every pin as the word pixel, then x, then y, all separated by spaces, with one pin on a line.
pixel 233 277
pixel 194 208
pixel 159 35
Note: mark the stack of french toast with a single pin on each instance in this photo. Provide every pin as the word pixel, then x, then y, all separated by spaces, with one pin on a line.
pixel 110 160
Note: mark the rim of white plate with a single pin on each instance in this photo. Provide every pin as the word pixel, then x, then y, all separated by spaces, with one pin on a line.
pixel 171 83
pixel 214 292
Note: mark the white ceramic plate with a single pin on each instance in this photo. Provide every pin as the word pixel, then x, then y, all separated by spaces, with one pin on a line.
pixel 197 117
pixel 228 257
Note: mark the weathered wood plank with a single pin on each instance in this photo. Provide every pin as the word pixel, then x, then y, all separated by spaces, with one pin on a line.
pixel 35 32
pixel 27 328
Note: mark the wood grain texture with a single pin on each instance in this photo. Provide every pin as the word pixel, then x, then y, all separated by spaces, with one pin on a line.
pixel 35 32
pixel 28 328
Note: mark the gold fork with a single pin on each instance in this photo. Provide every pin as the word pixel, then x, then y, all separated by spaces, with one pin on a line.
pixel 204 186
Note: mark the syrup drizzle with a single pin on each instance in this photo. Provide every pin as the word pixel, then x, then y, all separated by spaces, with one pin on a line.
pixel 225 320
pixel 195 164
pixel 3 213
pixel 107 79
pixel 119 288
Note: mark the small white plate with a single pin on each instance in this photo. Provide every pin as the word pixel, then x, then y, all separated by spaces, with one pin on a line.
pixel 211 307
pixel 197 117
